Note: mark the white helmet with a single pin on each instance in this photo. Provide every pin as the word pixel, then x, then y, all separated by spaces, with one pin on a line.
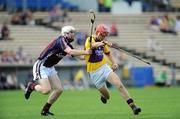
pixel 67 29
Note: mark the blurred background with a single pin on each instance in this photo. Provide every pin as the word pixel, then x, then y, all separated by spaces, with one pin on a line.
pixel 146 28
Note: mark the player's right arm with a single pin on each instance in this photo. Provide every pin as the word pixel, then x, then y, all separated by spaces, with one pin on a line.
pixel 73 52
pixel 76 52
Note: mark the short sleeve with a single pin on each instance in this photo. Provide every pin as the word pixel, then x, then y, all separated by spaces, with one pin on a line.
pixel 106 49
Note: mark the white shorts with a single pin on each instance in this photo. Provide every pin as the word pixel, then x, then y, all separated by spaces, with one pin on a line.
pixel 100 76
pixel 42 72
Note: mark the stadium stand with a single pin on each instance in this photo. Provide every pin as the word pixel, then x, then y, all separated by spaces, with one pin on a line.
pixel 133 34
pixel 175 4
pixel 33 39
pixel 132 28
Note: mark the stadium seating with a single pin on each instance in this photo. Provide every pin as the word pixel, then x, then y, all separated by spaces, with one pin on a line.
pixel 133 29
pixel 33 39
pixel 175 4
pixel 133 34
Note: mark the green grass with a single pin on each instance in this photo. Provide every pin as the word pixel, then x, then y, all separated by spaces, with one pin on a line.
pixel 156 103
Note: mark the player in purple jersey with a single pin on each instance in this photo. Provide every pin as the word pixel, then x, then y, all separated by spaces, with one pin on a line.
pixel 44 71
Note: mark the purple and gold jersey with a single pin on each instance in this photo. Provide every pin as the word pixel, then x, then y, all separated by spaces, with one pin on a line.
pixel 97 58
pixel 54 52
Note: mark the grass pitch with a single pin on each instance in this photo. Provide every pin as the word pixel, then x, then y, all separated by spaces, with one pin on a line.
pixel 156 103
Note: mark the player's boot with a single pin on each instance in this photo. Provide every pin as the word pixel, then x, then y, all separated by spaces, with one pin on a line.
pixel 103 100
pixel 29 90
pixel 46 113
pixel 136 110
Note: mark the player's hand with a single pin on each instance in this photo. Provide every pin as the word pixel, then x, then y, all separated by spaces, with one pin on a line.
pixel 115 66
pixel 107 43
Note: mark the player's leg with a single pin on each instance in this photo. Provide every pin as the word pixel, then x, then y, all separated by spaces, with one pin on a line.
pixel 104 94
pixel 43 87
pixel 99 78
pixel 56 87
pixel 114 79
pixel 56 92
pixel 40 74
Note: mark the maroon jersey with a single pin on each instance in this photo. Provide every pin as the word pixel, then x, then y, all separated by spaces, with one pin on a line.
pixel 54 52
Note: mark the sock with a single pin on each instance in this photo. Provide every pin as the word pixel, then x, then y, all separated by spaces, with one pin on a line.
pixel 131 103
pixel 46 107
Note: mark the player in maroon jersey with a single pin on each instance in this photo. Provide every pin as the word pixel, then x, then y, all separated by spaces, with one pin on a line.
pixel 44 71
